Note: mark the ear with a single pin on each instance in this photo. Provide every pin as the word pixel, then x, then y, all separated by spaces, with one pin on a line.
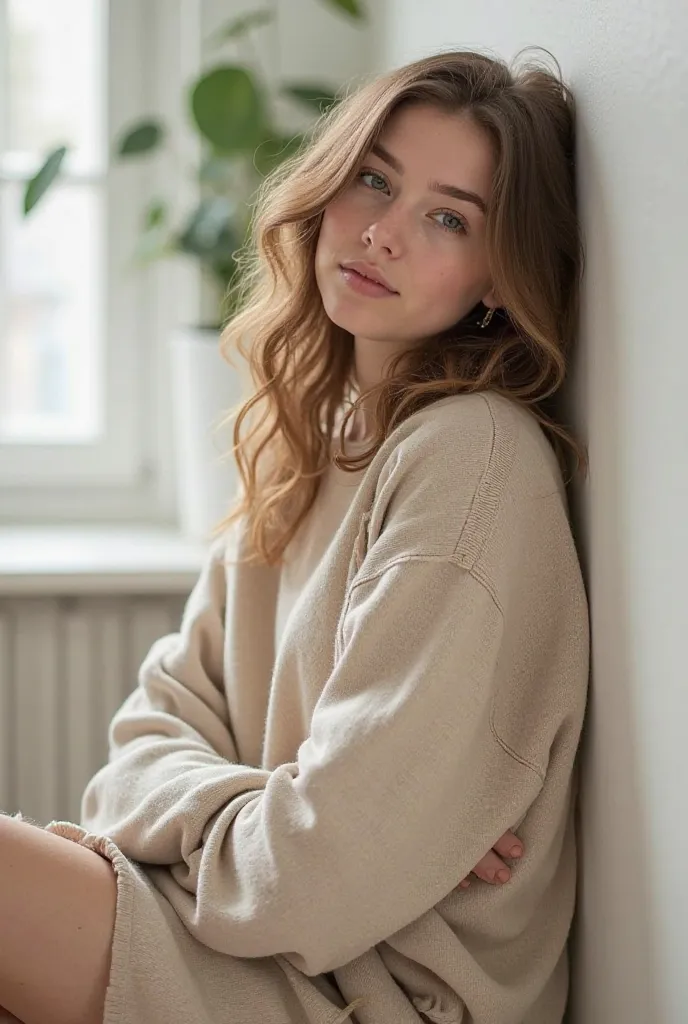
pixel 490 299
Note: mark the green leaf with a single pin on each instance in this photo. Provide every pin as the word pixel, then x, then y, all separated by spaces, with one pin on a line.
pixel 229 273
pixel 155 215
pixel 227 107
pixel 315 97
pixel 240 26
pixel 43 179
pixel 153 243
pixel 353 8
pixel 142 138
pixel 212 232
pixel 273 151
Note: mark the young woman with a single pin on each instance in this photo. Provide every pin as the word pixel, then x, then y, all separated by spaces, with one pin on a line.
pixel 380 676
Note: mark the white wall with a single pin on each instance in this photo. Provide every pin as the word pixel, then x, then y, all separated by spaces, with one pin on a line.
pixel 627 66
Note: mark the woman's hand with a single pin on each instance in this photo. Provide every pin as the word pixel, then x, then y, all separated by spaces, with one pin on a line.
pixel 491 868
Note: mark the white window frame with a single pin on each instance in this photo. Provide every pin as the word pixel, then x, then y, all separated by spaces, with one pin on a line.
pixel 152 48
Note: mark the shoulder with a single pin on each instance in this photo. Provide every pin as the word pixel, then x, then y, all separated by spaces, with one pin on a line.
pixel 483 433
pixel 448 469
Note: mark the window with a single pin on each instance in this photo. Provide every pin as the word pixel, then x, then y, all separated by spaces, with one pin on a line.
pixel 77 335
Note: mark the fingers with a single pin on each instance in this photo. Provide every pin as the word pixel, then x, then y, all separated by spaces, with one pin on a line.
pixel 508 846
pixel 491 868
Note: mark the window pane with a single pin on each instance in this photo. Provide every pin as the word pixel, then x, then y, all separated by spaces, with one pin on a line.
pixel 51 347
pixel 56 61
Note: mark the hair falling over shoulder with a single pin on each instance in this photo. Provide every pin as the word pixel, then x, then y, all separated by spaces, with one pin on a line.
pixel 301 362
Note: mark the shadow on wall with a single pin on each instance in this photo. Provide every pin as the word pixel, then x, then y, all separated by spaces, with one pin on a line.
pixel 610 980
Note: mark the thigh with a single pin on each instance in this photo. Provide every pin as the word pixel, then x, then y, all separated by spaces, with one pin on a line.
pixel 57 913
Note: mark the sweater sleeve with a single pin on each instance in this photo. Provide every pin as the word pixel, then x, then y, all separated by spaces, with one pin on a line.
pixel 399 789
pixel 172 756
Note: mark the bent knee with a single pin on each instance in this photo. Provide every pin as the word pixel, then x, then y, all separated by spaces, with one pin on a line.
pixel 57 914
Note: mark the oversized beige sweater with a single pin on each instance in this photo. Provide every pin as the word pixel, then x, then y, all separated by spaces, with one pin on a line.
pixel 312 764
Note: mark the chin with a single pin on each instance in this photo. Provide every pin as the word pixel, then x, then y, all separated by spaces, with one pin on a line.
pixel 360 326
pixel 349 315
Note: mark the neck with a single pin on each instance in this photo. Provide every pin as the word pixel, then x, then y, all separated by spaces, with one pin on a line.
pixel 361 425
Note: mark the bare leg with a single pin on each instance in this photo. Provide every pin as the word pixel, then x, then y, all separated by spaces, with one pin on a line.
pixel 57 913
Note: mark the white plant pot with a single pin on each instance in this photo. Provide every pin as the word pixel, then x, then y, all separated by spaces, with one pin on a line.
pixel 205 387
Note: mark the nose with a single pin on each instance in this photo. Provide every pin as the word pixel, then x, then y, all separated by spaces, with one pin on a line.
pixel 384 234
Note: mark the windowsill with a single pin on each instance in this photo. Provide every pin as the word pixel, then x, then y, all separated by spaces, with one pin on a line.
pixel 97 560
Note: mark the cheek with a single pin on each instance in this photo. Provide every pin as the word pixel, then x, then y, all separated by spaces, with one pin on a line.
pixel 439 286
pixel 338 223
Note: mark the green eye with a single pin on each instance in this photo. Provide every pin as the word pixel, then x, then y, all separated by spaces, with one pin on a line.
pixel 460 228
pixel 373 174
pixel 460 222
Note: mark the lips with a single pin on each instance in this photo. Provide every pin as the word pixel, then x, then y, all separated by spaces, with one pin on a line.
pixel 372 273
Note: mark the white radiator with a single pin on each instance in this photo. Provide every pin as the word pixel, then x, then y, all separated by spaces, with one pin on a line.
pixel 66 665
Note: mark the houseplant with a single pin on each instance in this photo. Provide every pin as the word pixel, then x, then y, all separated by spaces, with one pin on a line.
pixel 230 111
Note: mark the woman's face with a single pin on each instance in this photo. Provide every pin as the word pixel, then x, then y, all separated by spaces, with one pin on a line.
pixel 428 245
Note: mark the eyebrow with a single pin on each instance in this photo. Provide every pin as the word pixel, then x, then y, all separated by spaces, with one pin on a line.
pixel 435 186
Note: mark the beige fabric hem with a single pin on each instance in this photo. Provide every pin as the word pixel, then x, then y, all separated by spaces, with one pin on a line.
pixel 160 972
pixel 121 939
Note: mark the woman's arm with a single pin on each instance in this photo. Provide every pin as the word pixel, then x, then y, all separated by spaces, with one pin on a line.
pixel 172 757
pixel 173 761
pixel 398 791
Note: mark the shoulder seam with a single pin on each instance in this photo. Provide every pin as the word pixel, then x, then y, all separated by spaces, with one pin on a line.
pixel 476 572
pixel 481 516
pixel 484 582
pixel 399 560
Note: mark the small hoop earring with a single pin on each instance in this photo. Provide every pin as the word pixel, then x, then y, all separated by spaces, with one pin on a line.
pixel 488 316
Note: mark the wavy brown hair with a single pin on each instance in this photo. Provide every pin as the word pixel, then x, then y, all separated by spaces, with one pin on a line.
pixel 301 363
